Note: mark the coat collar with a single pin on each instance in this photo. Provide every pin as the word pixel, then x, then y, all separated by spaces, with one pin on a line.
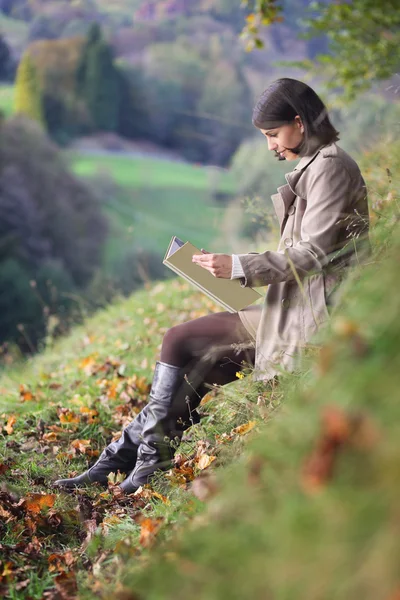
pixel 306 160
pixel 287 193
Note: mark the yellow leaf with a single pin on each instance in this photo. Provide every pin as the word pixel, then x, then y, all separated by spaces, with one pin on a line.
pixel 149 529
pixel 50 437
pixel 10 424
pixel 205 461
pixel 245 428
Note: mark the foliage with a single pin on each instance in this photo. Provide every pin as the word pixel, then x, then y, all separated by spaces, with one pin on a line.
pixel 7 99
pixel 359 28
pixel 98 82
pixel 28 95
pixel 5 60
pixel 51 229
pixel 189 99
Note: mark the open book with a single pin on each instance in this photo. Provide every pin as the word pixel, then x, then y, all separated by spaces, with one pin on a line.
pixel 226 292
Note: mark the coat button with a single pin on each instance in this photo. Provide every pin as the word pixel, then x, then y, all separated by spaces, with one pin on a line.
pixel 288 242
pixel 291 210
pixel 285 303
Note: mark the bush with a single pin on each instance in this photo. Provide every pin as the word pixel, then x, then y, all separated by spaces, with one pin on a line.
pixel 52 232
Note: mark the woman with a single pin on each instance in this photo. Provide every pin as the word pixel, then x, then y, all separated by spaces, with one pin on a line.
pixel 323 216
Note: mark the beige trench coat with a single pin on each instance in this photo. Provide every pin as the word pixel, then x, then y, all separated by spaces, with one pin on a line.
pixel 323 217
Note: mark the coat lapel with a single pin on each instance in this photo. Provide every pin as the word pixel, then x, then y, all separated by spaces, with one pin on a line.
pixel 287 193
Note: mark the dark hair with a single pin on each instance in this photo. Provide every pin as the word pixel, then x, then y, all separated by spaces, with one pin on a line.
pixel 286 98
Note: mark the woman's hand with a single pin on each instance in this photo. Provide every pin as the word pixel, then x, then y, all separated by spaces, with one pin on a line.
pixel 219 265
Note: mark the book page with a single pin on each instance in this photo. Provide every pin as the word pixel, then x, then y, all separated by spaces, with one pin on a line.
pixel 175 244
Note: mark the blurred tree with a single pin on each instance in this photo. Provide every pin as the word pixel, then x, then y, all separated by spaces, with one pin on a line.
pixel 98 81
pixel 70 220
pixel 92 38
pixel 363 38
pixel 5 59
pixel 65 115
pixel 101 90
pixel 52 232
pixel 28 97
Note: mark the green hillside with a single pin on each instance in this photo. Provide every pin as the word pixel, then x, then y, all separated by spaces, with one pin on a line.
pixel 7 99
pixel 301 498
pixel 156 199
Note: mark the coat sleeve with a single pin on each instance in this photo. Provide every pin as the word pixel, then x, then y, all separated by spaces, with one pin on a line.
pixel 329 201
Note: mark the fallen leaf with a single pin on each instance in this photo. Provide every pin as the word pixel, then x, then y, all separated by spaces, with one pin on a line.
pixel 49 437
pixel 243 429
pixel 149 530
pixel 338 429
pixel 68 416
pixel 36 503
pixel 81 445
pixel 10 424
pixel 147 493
pixel 25 394
pixel 205 461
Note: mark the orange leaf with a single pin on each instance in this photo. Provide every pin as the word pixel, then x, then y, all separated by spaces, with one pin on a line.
pixel 24 394
pixel 149 530
pixel 68 416
pixel 88 364
pixel 49 437
pixel 36 503
pixel 81 445
pixel 245 428
pixel 10 424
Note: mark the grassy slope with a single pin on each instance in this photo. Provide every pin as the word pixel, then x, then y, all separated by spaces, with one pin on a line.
pixel 267 533
pixel 7 99
pixel 157 199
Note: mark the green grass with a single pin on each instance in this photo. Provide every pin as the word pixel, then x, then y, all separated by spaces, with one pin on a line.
pixel 7 93
pixel 270 530
pixel 156 199
pixel 149 173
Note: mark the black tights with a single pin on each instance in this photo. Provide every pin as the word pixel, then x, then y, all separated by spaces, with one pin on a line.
pixel 212 348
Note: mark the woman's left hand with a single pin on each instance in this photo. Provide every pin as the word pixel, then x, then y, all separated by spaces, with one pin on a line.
pixel 219 265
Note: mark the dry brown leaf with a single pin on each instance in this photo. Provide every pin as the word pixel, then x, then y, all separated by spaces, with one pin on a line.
pixel 3 468
pixel 55 386
pixel 5 514
pixel 66 585
pixel 81 445
pixel 147 493
pixel 205 461
pixel 60 562
pixel 49 437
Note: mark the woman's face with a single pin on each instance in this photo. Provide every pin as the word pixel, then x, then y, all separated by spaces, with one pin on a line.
pixel 281 139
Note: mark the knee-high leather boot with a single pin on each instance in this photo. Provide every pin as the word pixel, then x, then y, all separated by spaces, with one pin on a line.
pixel 118 456
pixel 169 415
